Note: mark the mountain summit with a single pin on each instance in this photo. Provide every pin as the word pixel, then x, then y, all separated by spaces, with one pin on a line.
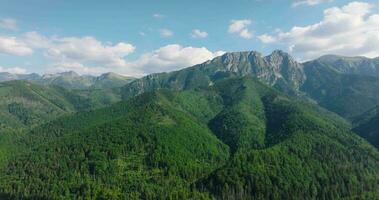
pixel 278 69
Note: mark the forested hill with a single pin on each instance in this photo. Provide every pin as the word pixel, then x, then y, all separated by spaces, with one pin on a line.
pixel 24 104
pixel 367 126
pixel 235 139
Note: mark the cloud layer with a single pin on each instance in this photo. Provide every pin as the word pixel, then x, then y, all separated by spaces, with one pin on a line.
pixel 196 33
pixel 87 55
pixel 173 57
pixel 349 30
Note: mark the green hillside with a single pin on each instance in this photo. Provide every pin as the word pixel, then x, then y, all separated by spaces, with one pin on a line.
pixel 236 139
pixel 367 126
pixel 24 104
pixel 348 95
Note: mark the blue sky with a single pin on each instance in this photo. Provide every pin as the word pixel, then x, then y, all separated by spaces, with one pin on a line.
pixel 141 37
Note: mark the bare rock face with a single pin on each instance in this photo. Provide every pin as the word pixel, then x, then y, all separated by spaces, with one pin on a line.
pixel 278 69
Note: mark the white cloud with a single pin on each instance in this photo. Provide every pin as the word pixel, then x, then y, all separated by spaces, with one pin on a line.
pixel 265 38
pixel 158 16
pixel 173 57
pixel 87 55
pixel 308 2
pixel 14 46
pixel 166 32
pixel 88 49
pixel 8 23
pixel 246 34
pixel 13 70
pixel 167 58
pixel 349 30
pixel 196 33
pixel 240 27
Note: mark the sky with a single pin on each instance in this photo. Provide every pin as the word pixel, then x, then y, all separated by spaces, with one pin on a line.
pixel 140 37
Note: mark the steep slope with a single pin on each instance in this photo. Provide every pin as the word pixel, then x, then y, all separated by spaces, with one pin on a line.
pixel 367 126
pixel 346 86
pixel 236 139
pixel 140 149
pixel 352 65
pixel 278 69
pixel 294 151
pixel 345 94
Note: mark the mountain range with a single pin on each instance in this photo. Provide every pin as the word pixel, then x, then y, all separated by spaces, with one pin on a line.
pixel 240 126
pixel 71 80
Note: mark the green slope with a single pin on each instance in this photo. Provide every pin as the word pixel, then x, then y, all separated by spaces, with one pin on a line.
pixel 348 95
pixel 237 139
pixel 24 104
pixel 352 65
pixel 304 154
pixel 132 150
pixel 367 126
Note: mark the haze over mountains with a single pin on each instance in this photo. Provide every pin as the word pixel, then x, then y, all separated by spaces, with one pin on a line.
pixel 71 80
pixel 240 126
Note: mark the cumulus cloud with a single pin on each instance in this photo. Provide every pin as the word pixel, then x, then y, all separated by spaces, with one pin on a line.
pixel 308 2
pixel 87 55
pixel 88 49
pixel 8 23
pixel 166 58
pixel 13 70
pixel 14 46
pixel 158 16
pixel 265 38
pixel 349 30
pixel 240 27
pixel 173 57
pixel 196 33
pixel 166 32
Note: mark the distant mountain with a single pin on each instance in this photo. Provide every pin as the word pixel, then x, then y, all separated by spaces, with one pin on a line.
pixel 346 94
pixel 5 76
pixel 235 139
pixel 24 104
pixel 69 80
pixel 352 65
pixel 72 80
pixel 110 80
